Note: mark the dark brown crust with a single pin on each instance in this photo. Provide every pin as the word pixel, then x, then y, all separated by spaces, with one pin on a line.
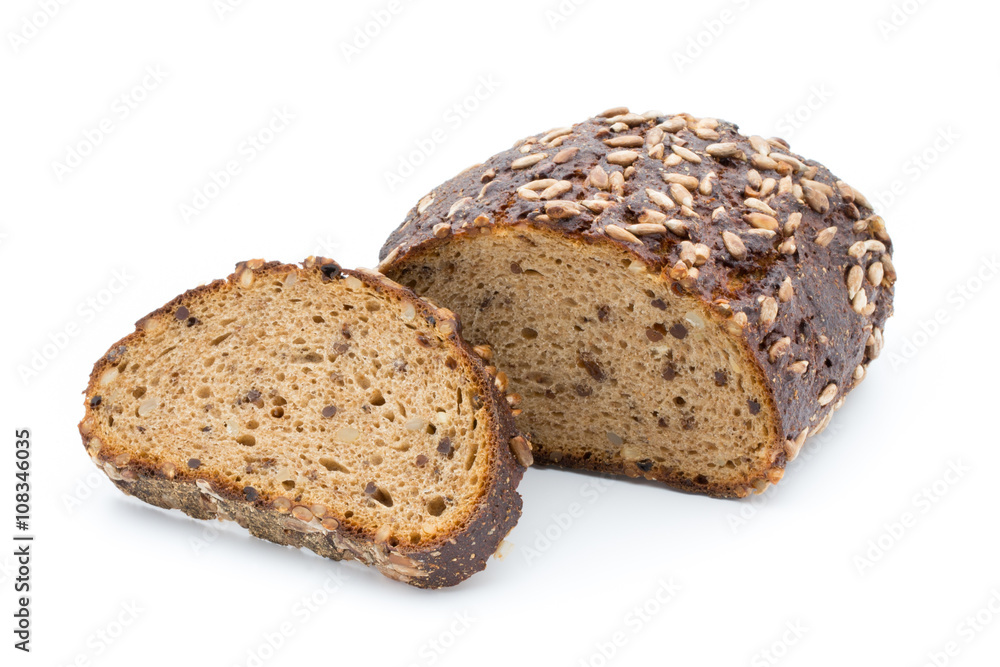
pixel 819 320
pixel 446 561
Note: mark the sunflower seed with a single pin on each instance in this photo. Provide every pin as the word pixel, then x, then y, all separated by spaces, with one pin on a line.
pixel 528 161
pixel 686 154
pixel 561 209
pixel 425 202
pixel 705 187
pixel 846 193
pixel 826 236
pixel 565 155
pixel 441 230
pixel 619 234
pixel 798 367
pixel 680 194
pixel 678 227
pixel 599 177
pixel 622 158
pixel 617 182
pixel 763 162
pixel 648 215
pixel 555 134
pixel 687 253
pixel 674 125
pixel 785 185
pixel 557 189
pixel 816 199
pixel 521 449
pixel 612 112
pixel 596 205
pixel 646 228
pixel 787 247
pixel 792 224
pixel 488 175
pixel 540 184
pixel 629 119
pixel 859 302
pixel 794 163
pixel 855 276
pixel 457 206
pixel 828 394
pixel 875 273
pixel 861 199
pixel 761 221
pixel 660 199
pixel 779 349
pixel 768 311
pixel 655 136
pixel 530 195
pixel 688 182
pixel 728 149
pixel 876 227
pixel 734 245
pixel 625 141
pixel 767 186
pixel 786 291
pixel 760 144
pixel 759 206
pixel 890 270
pixel 875 343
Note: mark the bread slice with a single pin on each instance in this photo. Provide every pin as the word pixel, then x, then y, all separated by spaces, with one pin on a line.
pixel 317 407
pixel 672 300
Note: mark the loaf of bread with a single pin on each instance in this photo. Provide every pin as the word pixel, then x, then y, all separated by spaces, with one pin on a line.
pixel 317 407
pixel 669 298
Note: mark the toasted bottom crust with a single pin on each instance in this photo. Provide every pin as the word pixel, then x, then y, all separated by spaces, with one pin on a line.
pixel 448 564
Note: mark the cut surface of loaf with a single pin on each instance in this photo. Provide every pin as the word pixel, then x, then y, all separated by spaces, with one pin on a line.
pixel 669 298
pixel 318 407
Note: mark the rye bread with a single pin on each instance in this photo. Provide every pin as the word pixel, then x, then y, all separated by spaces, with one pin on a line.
pixel 672 299
pixel 317 407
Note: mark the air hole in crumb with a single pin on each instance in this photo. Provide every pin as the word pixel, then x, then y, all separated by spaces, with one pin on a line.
pixel 252 424
pixel 529 333
pixel 318 319
pixel 278 413
pixel 138 392
pixel 247 440
pixel 377 398
pixel 203 392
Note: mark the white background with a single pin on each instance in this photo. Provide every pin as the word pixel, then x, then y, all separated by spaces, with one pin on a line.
pixel 896 98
